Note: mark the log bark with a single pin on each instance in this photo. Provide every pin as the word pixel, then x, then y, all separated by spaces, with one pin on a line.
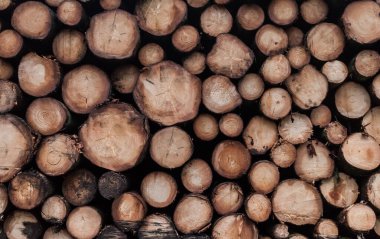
pixel 157 226
pixel 110 231
pixel 111 184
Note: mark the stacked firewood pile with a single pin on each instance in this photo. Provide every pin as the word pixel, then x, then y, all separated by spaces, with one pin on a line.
pixel 169 119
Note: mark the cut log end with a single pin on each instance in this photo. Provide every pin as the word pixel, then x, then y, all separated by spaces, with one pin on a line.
pixel 227 198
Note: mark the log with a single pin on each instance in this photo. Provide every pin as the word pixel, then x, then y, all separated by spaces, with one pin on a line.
pixel 197 3
pixel 231 125
pixel 186 38
pixel 3 198
pixel 216 20
pixel 6 70
pixel 107 131
pixel 55 232
pixel 160 18
pixel 79 187
pixel 297 202
pixel 370 123
pixel 275 103
pixel 227 198
pixel 366 64
pixel 111 184
pixel 336 71
pixel 158 189
pixel 10 96
pixel 298 57
pixel 196 176
pixel 5 4
pixel 320 116
pixel 193 214
pixel 263 176
pixel 283 154
pixel 22 225
pixel 171 147
pixel 71 12
pixel 234 226
pixel 261 139
pixel 157 226
pixel 295 128
pixel 258 207
pixel 167 93
pixel 341 190
pixel 358 218
pixel 38 75
pixel 280 231
pixel 55 209
pixel 314 11
pixel 11 43
pixel 150 54
pixel 230 56
pixel 370 191
pixel 326 229
pixel 15 132
pixel 128 210
pixel 69 46
pixel 53 3
pixel 124 78
pixel 84 222
pixel 283 12
pixel 335 132
pixel 29 189
pixel 295 36
pixel 195 63
pixel 110 4
pixel 375 87
pixel 220 95
pixel 33 20
pixel 250 16
pixel 231 159
pixel 113 34
pixel 251 87
pixel 205 127
pixel 271 40
pixel 110 231
pixel 276 69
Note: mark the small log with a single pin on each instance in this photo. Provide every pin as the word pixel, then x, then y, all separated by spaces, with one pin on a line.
pixel 314 11
pixel 371 123
pixel 55 209
pixel 366 64
pixel 222 2
pixel 110 231
pixel 297 236
pixel 107 131
pixel 33 20
pixel 216 20
pixel 376 229
pixel 159 189
pixel 5 4
pixel 124 78
pixel 6 70
pixel 113 34
pixel 271 40
pixel 250 16
pixel 230 56
pixel 335 132
pixel 276 69
pixel 297 202
pixel 196 176
pixel 258 207
pixel 298 57
pixel 295 128
pixel 11 43
pixel 110 4
pixel 17 143
pixel 231 159
pixel 22 225
pixel 128 210
pixel 10 96
pixel 375 87
pixel 361 152
pixel 283 154
pixel 234 226
pixel 3 198
pixel 220 95
pixel 231 125
pixel 205 127
pixel 325 41
pixel 71 12
pixel 197 3
pixel 340 191
pixel 326 229
pixel 359 218
pixel 69 46
pixel 370 191
pixel 29 189
pixel 171 147
pixel 84 222
pixel 38 75
pixel 260 139
pixel 193 214
pixel 157 226
pixel 283 12
pixel 336 71
pixel 160 18
pixel 313 162
pixel 275 103
pixel 58 154
pixel 186 38
pixel 53 3
pixel 295 36
pixel 280 231
pixel 263 176
pixel 55 232
pixel 227 198
pixel 251 87
pixel 167 93
pixel 47 115
pixel 308 87
pixel 361 21
pixel 195 63
pixel 79 187
pixel 321 116
pixel 111 184
pixel 151 54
